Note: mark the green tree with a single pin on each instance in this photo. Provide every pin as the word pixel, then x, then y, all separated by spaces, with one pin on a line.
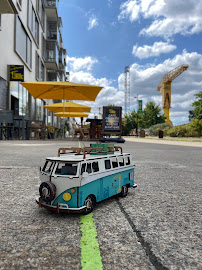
pixel 152 115
pixel 196 126
pixel 128 123
pixel 196 113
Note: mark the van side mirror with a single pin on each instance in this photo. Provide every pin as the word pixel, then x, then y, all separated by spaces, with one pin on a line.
pixel 85 174
pixel 40 168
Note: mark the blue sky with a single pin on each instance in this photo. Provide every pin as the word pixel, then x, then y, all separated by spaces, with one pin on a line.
pixel 151 36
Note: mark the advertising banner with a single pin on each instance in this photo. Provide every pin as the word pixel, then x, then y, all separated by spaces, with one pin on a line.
pixel 112 120
pixel 139 106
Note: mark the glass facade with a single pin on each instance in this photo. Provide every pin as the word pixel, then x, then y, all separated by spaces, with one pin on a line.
pixel 23 44
pixel 39 68
pixel 39 109
pixel 33 23
pixel 21 98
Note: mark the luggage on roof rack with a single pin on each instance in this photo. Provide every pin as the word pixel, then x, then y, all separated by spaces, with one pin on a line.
pixel 94 149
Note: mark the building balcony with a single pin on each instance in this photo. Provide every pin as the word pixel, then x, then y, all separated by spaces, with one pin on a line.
pixel 62 58
pixel 51 9
pixel 9 6
pixel 52 75
pixel 61 74
pixel 52 30
pixel 51 55
pixel 51 3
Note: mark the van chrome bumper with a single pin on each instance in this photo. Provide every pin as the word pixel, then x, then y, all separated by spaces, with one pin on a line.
pixel 60 208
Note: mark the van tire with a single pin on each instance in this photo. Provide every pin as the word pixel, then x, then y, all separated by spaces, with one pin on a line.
pixel 90 203
pixel 124 191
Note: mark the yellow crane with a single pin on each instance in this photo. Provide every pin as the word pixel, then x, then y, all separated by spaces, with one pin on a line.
pixel 165 88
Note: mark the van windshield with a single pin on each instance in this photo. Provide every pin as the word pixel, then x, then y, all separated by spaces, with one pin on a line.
pixel 66 168
pixel 48 167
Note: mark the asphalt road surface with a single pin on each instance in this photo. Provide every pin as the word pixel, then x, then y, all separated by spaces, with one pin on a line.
pixel 157 226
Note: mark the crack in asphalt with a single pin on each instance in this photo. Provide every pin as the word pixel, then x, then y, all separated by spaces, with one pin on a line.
pixel 145 245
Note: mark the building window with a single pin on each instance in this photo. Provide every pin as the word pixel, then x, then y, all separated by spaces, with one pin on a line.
pixel 39 68
pixel 19 96
pixel 42 71
pixel 23 44
pixel 33 23
pixel 39 107
pixel 19 2
pixel 52 30
pixel 41 12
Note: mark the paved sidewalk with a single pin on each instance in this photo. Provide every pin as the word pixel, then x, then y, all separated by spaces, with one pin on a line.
pixel 163 141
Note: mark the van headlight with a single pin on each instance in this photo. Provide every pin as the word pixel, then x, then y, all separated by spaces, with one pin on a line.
pixel 66 196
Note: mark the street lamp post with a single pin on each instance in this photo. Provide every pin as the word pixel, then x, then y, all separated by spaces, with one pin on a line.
pixel 137 116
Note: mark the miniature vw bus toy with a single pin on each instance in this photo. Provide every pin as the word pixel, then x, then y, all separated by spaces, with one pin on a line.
pixel 79 177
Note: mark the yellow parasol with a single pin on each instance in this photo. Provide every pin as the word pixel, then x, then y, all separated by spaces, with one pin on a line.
pixel 71 114
pixel 68 107
pixel 62 90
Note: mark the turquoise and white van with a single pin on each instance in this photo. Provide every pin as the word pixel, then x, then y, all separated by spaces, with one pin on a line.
pixel 75 181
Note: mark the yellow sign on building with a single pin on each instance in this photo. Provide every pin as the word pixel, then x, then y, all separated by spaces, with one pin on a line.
pixel 17 73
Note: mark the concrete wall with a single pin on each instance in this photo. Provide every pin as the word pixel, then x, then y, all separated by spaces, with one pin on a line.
pixel 7 43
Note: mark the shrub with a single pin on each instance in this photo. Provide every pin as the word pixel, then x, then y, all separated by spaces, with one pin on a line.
pixel 179 131
pixel 196 127
pixel 173 132
pixel 153 130
pixel 193 129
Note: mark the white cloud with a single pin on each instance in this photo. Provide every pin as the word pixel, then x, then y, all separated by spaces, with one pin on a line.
pixel 92 23
pixel 76 64
pixel 129 9
pixel 156 49
pixel 169 16
pixel 144 82
pixel 81 72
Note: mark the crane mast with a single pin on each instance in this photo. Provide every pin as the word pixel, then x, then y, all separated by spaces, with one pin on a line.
pixel 165 88
pixel 127 89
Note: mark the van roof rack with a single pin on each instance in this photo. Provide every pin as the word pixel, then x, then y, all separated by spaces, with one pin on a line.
pixel 88 150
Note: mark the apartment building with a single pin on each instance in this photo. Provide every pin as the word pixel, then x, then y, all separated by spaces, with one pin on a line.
pixel 31 49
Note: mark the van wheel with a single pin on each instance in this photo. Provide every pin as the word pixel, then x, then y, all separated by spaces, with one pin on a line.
pixel 124 191
pixel 90 204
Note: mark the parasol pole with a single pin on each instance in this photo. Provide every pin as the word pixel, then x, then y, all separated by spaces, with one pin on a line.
pixel 63 116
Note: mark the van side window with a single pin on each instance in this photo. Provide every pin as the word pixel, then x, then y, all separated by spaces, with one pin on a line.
pixel 107 164
pixel 121 161
pixel 83 168
pixel 66 169
pixel 88 169
pixel 127 159
pixel 95 167
pixel 114 163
